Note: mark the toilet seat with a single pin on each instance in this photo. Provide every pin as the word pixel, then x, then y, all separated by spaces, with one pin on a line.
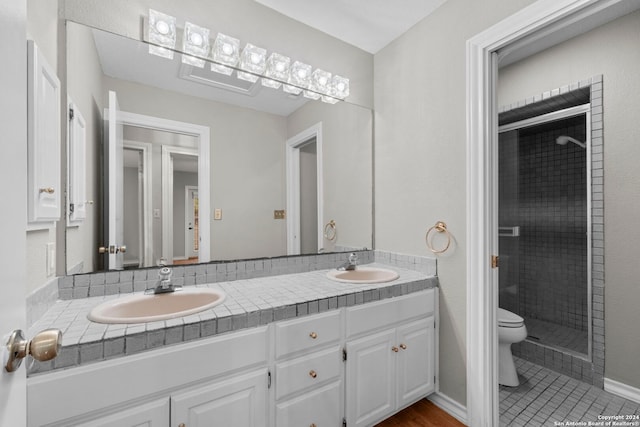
pixel 507 319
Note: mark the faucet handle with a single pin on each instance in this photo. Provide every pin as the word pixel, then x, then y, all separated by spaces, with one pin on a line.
pixel 164 273
pixel 353 257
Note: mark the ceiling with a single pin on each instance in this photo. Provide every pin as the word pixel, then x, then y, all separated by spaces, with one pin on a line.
pixel 367 24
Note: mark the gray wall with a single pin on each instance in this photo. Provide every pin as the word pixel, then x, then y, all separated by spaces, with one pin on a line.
pixel 610 50
pixel 420 166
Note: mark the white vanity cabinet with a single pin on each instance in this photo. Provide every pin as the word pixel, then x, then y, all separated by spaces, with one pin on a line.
pixel 239 401
pixel 213 377
pixel 309 371
pixel 391 348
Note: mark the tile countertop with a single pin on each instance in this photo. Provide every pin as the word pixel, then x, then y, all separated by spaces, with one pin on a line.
pixel 248 303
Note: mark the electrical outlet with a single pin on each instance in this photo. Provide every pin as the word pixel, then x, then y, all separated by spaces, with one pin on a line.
pixel 279 214
pixel 156 213
pixel 217 214
pixel 51 259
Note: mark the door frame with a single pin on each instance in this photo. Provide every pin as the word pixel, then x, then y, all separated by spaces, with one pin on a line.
pixel 202 133
pixel 147 190
pixel 187 213
pixel 292 160
pixel 532 29
pixel 167 197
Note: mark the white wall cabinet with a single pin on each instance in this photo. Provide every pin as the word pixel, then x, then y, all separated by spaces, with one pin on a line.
pixel 43 136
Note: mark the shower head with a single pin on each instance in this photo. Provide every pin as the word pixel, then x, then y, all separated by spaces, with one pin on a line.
pixel 564 139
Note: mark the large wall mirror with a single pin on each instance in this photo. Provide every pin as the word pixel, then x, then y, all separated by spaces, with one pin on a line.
pixel 208 162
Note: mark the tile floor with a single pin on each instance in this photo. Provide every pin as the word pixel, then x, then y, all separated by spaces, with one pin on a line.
pixel 558 336
pixel 547 398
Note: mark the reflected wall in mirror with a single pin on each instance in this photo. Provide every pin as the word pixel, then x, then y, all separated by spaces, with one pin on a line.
pixel 250 130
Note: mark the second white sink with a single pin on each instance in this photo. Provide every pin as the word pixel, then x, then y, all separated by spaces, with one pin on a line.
pixel 363 275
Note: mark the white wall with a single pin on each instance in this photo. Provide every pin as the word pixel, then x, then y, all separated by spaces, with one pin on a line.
pixel 610 50
pixel 420 170
pixel 347 135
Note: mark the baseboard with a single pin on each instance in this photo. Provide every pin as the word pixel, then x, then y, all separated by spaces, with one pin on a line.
pixel 449 405
pixel 622 390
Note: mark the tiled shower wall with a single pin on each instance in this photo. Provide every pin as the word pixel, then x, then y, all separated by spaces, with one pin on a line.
pixel 550 255
pixel 588 369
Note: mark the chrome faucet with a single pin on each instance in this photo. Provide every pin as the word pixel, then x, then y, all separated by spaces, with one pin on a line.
pixel 164 283
pixel 350 264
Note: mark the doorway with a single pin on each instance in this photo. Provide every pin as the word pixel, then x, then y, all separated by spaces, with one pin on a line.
pixel 305 192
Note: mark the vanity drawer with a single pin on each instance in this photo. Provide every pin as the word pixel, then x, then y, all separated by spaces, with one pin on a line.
pixel 320 407
pixel 307 371
pixel 385 313
pixel 307 333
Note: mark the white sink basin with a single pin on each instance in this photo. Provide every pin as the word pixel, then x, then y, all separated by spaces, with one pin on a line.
pixel 363 275
pixel 151 308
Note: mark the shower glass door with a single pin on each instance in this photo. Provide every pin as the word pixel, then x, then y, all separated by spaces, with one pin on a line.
pixel 544 229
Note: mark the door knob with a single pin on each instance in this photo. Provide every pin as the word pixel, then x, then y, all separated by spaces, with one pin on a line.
pixel 44 346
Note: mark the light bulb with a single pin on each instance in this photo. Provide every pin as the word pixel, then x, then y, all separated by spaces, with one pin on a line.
pixel 323 80
pixel 227 49
pixel 162 27
pixel 280 66
pixel 196 39
pixel 302 74
pixel 255 58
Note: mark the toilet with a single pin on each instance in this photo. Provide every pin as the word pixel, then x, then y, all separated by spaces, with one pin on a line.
pixel 511 329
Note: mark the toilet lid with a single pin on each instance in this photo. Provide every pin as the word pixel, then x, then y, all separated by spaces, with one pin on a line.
pixel 507 318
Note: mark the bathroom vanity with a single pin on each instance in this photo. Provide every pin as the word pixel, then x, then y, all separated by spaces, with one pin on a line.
pixel 355 363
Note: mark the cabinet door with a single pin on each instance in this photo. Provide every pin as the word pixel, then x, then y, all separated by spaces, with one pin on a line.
pixel 416 361
pixel 152 414
pixel 240 401
pixel 320 407
pixel 370 378
pixel 43 138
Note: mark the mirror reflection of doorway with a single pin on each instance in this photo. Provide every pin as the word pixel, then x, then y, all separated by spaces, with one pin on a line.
pixel 308 197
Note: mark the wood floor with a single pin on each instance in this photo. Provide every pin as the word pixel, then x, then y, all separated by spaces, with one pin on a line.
pixel 421 414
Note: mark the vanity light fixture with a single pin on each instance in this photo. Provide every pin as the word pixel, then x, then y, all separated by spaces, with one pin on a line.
pixel 162 34
pixel 225 50
pixel 251 64
pixel 277 70
pixel 195 44
pixel 298 78
pixel 253 60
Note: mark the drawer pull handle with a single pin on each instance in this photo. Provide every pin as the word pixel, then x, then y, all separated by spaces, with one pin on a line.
pixel 395 349
pixel 313 374
pixel 403 346
pixel 313 335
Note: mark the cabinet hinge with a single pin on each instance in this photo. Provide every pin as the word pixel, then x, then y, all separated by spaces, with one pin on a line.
pixel 344 354
pixel 268 379
pixel 71 113
pixel 344 422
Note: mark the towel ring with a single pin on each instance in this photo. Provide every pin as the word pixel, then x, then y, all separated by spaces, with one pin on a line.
pixel 439 227
pixel 330 231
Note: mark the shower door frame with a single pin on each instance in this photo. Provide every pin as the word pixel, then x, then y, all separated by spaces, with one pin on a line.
pixel 579 110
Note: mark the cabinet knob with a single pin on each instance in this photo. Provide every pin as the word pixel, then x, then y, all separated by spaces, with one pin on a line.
pixel 182 425
pixel 313 373
pixel 395 349
pixel 48 190
pixel 403 346
pixel 312 425
pixel 313 335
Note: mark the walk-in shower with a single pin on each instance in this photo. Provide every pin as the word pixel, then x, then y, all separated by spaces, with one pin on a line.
pixel 544 228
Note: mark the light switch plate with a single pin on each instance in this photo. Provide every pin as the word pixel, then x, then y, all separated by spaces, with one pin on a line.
pixel 217 214
pixel 279 214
